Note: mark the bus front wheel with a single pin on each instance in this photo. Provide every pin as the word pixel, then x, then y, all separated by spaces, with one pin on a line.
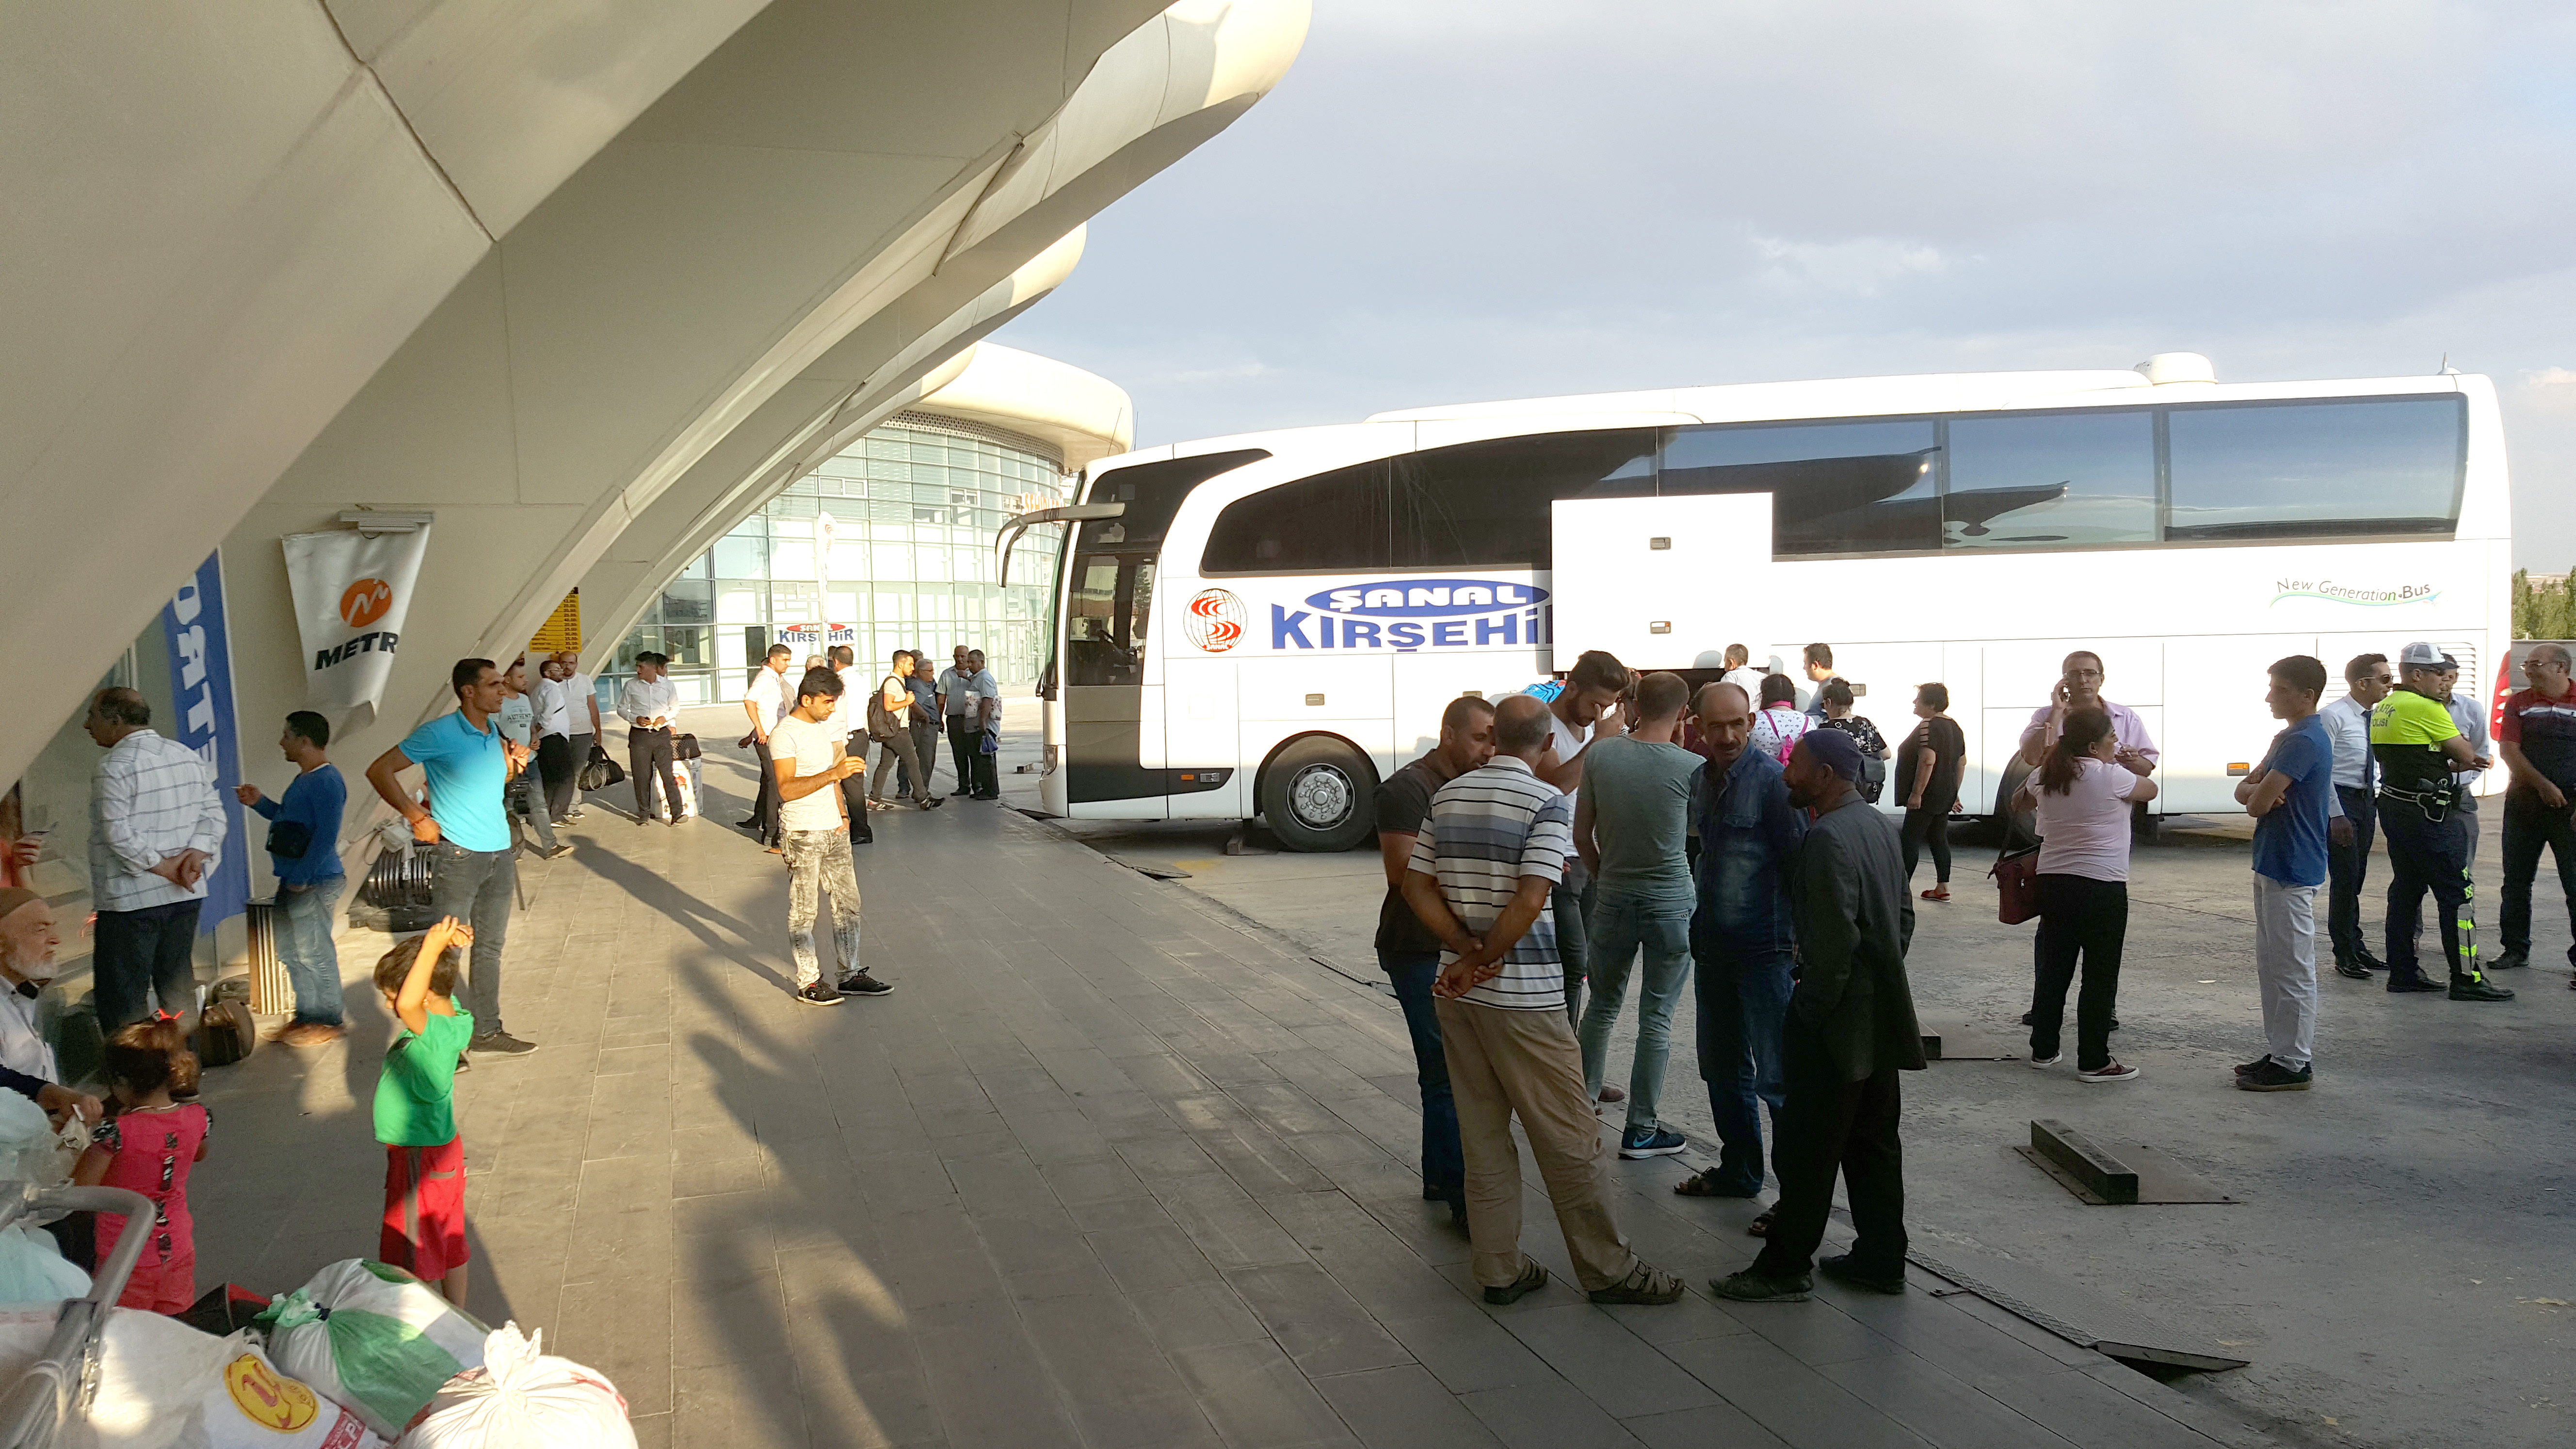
pixel 1317 795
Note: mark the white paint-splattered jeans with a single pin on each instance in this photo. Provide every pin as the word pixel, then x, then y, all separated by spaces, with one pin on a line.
pixel 819 860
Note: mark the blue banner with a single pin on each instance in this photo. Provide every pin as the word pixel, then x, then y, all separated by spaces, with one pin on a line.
pixel 201 681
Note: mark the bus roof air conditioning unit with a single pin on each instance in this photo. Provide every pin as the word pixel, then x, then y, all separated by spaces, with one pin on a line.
pixel 2167 367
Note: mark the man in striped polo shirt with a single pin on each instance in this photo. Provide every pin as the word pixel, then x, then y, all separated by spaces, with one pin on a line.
pixel 1483 867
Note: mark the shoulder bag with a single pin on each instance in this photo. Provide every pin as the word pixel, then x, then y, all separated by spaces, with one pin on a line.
pixel 2016 876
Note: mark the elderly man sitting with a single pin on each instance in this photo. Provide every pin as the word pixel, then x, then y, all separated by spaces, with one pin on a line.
pixel 27 1067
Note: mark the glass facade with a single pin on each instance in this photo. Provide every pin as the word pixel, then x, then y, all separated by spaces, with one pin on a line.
pixel 889 546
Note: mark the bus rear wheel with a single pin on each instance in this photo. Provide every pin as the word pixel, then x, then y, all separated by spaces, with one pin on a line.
pixel 1316 795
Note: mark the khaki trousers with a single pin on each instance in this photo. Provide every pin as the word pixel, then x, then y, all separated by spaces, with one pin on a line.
pixel 1505 1062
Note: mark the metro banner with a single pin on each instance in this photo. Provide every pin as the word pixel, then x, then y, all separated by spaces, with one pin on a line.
pixel 352 593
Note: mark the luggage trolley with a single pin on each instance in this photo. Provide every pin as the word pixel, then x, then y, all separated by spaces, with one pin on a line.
pixel 59 1384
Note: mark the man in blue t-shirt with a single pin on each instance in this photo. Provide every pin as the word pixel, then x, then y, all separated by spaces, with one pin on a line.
pixel 468 763
pixel 304 846
pixel 2291 797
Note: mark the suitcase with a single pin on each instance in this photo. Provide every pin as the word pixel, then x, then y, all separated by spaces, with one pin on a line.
pixel 226 1033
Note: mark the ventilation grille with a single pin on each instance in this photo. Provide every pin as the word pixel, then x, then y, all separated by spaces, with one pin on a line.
pixel 1048 453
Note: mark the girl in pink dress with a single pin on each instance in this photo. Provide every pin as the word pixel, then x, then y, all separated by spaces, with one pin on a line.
pixel 149 1145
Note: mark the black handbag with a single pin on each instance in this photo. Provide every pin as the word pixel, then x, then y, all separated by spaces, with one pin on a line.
pixel 599 771
pixel 289 839
pixel 685 747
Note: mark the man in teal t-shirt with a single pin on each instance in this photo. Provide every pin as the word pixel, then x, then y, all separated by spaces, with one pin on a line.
pixel 473 873
pixel 1629 824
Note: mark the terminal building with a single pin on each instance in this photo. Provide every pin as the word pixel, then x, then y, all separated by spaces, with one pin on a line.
pixel 333 368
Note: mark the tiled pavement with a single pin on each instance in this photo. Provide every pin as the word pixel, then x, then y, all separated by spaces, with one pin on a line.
pixel 1104 1170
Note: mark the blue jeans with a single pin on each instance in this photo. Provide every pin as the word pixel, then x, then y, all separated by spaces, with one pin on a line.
pixel 1444 1162
pixel 1743 1002
pixel 1617 928
pixel 304 948
pixel 478 887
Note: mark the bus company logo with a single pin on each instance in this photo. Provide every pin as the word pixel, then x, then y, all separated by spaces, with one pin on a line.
pixel 1414 614
pixel 2366 597
pixel 1214 621
pixel 365 601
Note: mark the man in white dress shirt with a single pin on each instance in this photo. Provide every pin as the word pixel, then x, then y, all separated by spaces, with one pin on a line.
pixel 767 702
pixel 649 702
pixel 2356 781
pixel 2471 716
pixel 156 831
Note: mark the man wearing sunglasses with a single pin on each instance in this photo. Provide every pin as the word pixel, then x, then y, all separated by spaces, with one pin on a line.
pixel 2356 779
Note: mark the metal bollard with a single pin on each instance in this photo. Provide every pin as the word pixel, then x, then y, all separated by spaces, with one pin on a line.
pixel 271 994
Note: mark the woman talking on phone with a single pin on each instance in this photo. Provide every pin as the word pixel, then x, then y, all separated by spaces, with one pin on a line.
pixel 2082 796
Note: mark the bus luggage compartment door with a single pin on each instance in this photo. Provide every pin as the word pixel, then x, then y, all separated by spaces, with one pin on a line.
pixel 1658 581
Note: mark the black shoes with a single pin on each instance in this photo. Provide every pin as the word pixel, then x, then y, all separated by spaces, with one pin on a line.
pixel 2509 961
pixel 1751 1287
pixel 2353 969
pixel 2410 979
pixel 499 1044
pixel 2271 1076
pixel 2477 988
pixel 860 983
pixel 1842 1268
pixel 817 994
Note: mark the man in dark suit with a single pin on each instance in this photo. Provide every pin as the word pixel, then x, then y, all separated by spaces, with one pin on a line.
pixel 1851 1029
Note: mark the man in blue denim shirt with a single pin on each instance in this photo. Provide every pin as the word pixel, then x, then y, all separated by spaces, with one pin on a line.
pixel 1740 935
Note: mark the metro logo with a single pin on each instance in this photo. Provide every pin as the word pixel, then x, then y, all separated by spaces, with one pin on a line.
pixel 1416 614
pixel 365 601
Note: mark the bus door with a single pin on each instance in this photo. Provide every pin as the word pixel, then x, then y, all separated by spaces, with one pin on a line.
pixel 1661 581
pixel 1113 719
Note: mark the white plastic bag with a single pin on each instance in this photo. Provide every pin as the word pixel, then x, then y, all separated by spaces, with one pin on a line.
pixel 374 1338
pixel 524 1399
pixel 248 1404
pixel 154 1371
pixel 27 1143
pixel 32 1269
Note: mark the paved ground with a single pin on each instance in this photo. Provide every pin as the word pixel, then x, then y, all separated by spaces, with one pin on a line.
pixel 2400 1268
pixel 1106 1169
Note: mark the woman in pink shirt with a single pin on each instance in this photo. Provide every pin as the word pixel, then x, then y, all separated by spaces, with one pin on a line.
pixel 2082 796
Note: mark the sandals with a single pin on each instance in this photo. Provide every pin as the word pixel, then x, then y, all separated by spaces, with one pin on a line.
pixel 1760 1227
pixel 1704 1184
pixel 1645 1283
pixel 1532 1278
pixel 1937 893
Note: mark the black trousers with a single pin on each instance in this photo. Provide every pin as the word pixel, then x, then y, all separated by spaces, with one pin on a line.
pixel 557 768
pixel 1929 826
pixel 966 742
pixel 2346 867
pixel 764 803
pixel 144 953
pixel 854 790
pixel 2079 916
pixel 2529 825
pixel 648 753
pixel 2428 855
pixel 1829 1126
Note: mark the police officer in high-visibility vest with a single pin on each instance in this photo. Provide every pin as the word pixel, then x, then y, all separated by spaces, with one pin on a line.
pixel 2418 746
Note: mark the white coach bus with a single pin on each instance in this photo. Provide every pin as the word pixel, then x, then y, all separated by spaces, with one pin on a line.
pixel 1268 624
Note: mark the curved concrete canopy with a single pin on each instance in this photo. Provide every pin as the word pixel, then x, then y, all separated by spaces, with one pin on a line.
pixel 1086 417
pixel 773 221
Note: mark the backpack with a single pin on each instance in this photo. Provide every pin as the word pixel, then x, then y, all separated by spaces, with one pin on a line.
pixel 881 722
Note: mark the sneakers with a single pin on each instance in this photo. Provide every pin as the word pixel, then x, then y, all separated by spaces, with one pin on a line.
pixel 2110 1071
pixel 860 983
pixel 1646 1284
pixel 499 1044
pixel 1751 1287
pixel 1643 1142
pixel 815 993
pixel 2041 1064
pixel 1532 1278
pixel 2271 1076
pixel 310 1034
pixel 1843 1268
pixel 2247 1069
pixel 2477 988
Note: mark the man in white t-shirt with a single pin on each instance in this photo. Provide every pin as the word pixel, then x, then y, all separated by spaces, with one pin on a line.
pixel 582 731
pixel 1741 673
pixel 1585 710
pixel 808 762
pixel 767 703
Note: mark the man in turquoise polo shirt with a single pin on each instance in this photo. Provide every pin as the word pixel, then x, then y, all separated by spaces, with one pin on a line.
pixel 468 763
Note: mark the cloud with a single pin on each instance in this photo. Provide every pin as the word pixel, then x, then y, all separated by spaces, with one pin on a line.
pixel 1860 266
pixel 2553 388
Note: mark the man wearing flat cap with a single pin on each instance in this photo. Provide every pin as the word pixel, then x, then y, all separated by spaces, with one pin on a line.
pixel 1850 1030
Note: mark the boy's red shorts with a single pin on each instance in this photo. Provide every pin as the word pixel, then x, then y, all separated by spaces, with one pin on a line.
pixel 425 1209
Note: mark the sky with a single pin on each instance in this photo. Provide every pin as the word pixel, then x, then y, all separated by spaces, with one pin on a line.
pixel 1454 202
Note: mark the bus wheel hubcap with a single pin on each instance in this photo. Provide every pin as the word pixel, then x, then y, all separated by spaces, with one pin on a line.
pixel 1321 796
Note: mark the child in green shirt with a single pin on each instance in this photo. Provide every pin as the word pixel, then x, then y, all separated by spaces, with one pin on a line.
pixel 424 1229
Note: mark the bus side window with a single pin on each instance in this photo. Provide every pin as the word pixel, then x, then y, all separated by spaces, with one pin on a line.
pixel 1105 633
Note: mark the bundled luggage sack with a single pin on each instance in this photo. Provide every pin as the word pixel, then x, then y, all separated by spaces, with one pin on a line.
pixel 524 1399
pixel 373 1337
